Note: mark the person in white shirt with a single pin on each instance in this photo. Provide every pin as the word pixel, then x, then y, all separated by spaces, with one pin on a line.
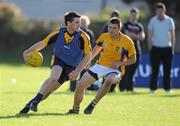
pixel 161 41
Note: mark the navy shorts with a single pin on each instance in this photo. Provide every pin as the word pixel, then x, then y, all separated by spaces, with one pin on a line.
pixel 66 69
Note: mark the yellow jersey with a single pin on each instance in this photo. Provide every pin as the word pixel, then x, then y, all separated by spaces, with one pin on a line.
pixel 115 50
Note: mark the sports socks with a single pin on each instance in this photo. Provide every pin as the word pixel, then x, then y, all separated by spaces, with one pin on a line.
pixel 76 108
pixel 94 102
pixel 38 98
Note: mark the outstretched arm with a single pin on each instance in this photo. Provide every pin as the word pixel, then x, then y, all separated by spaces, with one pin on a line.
pixel 36 47
pixel 95 52
pixel 129 61
pixel 86 60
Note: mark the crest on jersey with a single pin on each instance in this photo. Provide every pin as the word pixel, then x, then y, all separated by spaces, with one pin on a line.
pixel 117 49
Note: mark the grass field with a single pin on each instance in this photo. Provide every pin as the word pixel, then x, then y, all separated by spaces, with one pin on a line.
pixel 19 84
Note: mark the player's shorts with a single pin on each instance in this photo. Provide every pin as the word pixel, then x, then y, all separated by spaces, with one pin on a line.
pixel 98 71
pixel 66 69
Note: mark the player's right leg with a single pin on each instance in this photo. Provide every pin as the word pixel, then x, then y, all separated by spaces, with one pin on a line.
pixel 45 90
pixel 84 82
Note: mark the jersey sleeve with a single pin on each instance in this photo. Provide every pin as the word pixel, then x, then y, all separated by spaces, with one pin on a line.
pixel 172 25
pixel 131 48
pixel 86 41
pixel 51 38
pixel 100 40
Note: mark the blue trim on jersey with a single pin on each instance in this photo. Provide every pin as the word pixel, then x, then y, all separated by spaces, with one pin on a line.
pixel 124 53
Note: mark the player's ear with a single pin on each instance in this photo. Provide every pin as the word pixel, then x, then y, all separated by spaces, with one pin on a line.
pixel 68 23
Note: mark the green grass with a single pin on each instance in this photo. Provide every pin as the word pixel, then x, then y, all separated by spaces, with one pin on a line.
pixel 19 84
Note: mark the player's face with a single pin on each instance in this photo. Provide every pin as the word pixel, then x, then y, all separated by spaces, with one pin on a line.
pixel 160 12
pixel 113 29
pixel 74 25
pixel 134 16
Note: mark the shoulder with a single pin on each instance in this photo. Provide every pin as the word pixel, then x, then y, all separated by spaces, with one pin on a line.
pixel 126 38
pixel 126 23
pixel 105 34
pixel 53 33
pixel 154 18
pixel 83 34
pixel 169 18
pixel 140 25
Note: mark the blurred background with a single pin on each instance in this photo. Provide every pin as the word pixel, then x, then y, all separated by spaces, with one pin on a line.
pixel 25 22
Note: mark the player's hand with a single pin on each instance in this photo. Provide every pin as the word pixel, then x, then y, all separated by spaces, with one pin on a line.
pixel 25 55
pixel 73 75
pixel 87 66
pixel 116 65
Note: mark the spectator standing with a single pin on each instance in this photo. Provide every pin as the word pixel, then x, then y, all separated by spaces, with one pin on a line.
pixel 135 31
pixel 115 13
pixel 161 41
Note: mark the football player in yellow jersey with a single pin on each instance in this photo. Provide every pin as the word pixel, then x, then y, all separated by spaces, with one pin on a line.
pixel 116 51
pixel 72 52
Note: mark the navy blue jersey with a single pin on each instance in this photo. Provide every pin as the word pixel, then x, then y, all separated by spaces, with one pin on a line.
pixel 70 53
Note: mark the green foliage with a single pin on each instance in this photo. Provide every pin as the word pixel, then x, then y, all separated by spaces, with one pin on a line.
pixel 18 34
pixel 19 84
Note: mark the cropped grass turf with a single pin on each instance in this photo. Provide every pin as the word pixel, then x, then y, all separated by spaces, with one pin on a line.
pixel 18 84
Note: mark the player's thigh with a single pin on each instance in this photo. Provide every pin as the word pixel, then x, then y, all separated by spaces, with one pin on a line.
pixel 56 72
pixel 86 80
pixel 112 78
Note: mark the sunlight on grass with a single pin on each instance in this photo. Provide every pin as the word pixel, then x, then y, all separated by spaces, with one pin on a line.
pixel 19 84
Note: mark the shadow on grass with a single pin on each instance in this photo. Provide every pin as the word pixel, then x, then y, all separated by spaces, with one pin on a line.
pixel 32 115
pixel 132 93
pixel 26 92
pixel 169 95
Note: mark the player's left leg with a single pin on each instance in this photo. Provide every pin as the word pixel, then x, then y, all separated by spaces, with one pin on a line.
pixel 86 80
pixel 50 83
pixel 109 80
pixel 46 88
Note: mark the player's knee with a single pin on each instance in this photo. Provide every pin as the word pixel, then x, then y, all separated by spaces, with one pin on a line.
pixel 108 82
pixel 80 87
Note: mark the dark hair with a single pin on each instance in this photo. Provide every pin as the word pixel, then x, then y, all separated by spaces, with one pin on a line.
pixel 70 17
pixel 160 6
pixel 115 20
pixel 115 13
pixel 135 10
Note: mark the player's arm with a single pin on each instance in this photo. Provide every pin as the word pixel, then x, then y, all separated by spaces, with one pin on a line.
pixel 149 39
pixel 99 46
pixel 36 47
pixel 141 35
pixel 149 33
pixel 96 51
pixel 131 60
pixel 131 56
pixel 86 59
pixel 173 38
pixel 42 44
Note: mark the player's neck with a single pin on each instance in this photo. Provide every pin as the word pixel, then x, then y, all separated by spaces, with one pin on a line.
pixel 70 31
pixel 116 36
pixel 134 21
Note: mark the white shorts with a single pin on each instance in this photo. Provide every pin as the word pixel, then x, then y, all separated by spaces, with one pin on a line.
pixel 103 71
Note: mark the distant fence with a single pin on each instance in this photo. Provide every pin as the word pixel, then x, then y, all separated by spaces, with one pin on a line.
pixel 143 73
